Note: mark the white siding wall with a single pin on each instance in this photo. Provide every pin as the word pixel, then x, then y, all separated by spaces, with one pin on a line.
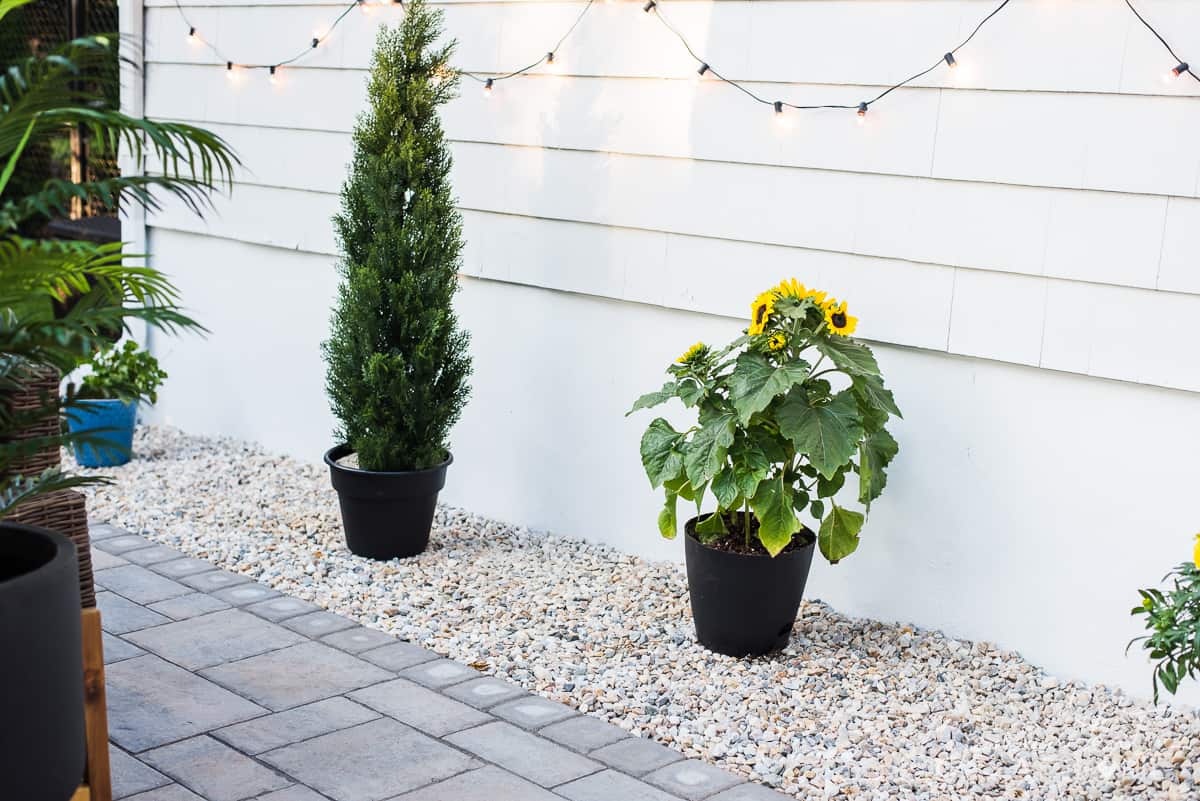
pixel 1021 237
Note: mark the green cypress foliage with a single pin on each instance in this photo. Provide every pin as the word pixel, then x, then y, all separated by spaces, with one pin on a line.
pixel 397 360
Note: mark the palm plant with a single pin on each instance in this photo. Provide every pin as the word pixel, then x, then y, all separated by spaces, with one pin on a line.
pixel 60 301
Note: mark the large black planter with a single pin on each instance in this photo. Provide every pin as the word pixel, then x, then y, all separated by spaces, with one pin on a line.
pixel 41 666
pixel 386 515
pixel 744 605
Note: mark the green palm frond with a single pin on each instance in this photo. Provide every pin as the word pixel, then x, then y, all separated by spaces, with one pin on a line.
pixel 18 490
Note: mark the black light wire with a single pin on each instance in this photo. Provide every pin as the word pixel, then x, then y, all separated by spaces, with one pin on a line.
pixel 489 81
pixel 705 67
pixel 1160 38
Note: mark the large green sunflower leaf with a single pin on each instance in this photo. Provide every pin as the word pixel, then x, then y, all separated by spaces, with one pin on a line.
pixel 711 528
pixel 725 487
pixel 755 382
pixel 873 395
pixel 668 525
pixel 777 521
pixel 662 454
pixel 705 454
pixel 874 453
pixel 849 355
pixel 838 537
pixel 827 434
pixel 650 399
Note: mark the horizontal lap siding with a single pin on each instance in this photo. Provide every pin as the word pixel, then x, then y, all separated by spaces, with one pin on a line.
pixel 1032 200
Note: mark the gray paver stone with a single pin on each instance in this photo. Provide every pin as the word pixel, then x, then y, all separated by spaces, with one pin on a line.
pixel 213 580
pixel 420 708
pixel 284 728
pixel 116 649
pixel 525 754
pixel 486 784
pixel 178 568
pixel 214 770
pixel 636 755
pixel 102 560
pixel 152 702
pixel 213 639
pixel 297 792
pixel 193 604
pixel 248 593
pixel 104 531
pixel 172 792
pixel 123 543
pixel 297 675
pixel 584 733
pixel 609 785
pixel 277 609
pixel 150 556
pixel 485 692
pixel 692 779
pixel 130 776
pixel 398 656
pixel 139 584
pixel 439 673
pixel 318 624
pixel 750 792
pixel 533 712
pixel 358 639
pixel 120 616
pixel 371 762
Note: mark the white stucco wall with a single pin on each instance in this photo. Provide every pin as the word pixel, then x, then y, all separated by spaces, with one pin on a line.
pixel 1021 245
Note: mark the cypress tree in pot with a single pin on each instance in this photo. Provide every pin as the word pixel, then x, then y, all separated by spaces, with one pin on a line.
pixel 397 359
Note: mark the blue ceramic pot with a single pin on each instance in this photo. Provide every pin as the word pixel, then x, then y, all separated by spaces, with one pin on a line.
pixel 113 421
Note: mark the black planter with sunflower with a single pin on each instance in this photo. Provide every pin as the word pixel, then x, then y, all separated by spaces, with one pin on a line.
pixel 791 424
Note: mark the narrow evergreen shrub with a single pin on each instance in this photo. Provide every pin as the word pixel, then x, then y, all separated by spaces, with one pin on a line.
pixel 397 360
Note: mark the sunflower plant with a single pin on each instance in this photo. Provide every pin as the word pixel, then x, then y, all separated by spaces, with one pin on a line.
pixel 1173 620
pixel 785 414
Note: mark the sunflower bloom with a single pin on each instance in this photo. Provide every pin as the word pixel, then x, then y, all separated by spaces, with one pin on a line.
pixel 760 312
pixel 817 297
pixel 691 353
pixel 837 320
pixel 791 288
pixel 1196 551
pixel 778 342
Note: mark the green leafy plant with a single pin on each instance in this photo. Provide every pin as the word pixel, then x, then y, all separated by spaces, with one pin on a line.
pixel 62 301
pixel 125 373
pixel 784 414
pixel 1173 620
pixel 397 360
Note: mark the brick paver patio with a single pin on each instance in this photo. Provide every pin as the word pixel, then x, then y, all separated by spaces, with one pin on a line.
pixel 222 689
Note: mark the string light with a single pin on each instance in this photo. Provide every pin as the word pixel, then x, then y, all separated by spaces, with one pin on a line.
pixel 271 74
pixel 948 59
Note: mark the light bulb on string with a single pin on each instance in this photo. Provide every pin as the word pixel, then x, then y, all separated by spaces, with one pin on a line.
pixel 700 73
pixel 783 121
pixel 272 74
pixel 862 113
pixel 192 37
pixel 950 62
pixel 1173 73
pixel 487 87
pixel 364 6
pixel 231 71
pixel 550 59
pixel 650 6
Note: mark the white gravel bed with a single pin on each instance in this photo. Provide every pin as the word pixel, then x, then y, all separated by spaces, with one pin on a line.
pixel 853 708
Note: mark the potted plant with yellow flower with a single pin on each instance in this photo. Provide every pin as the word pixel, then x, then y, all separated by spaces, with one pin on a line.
pixel 1173 619
pixel 785 414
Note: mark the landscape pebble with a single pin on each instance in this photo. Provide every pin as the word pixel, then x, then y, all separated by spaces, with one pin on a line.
pixel 851 709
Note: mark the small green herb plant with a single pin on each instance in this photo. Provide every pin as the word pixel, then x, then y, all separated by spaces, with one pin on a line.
pixel 125 373
pixel 1173 620
pixel 785 414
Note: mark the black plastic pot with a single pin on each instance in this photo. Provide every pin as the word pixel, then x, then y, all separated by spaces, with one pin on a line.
pixel 41 670
pixel 386 515
pixel 745 605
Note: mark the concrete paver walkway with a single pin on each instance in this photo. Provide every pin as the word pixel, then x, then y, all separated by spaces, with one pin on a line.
pixel 223 689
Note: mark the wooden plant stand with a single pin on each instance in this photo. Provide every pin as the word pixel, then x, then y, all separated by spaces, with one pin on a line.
pixel 97 784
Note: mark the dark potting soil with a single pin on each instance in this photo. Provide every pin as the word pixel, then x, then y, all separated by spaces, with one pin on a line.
pixel 735 540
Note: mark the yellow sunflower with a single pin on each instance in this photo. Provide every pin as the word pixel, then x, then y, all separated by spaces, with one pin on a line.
pixel 836 319
pixel 760 312
pixel 817 297
pixel 1196 551
pixel 778 342
pixel 691 353
pixel 791 288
